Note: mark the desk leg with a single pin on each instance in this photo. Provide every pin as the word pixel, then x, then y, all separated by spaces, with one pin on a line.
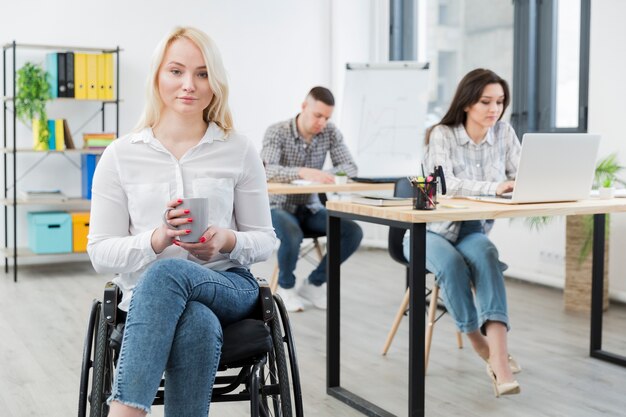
pixel 597 281
pixel 597 290
pixel 333 239
pixel 417 283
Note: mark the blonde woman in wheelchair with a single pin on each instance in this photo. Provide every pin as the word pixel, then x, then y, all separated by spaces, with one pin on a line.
pixel 179 294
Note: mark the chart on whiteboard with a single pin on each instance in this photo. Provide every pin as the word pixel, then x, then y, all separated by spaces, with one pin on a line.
pixel 383 119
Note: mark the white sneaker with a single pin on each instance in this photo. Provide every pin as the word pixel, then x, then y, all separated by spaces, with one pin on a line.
pixel 316 295
pixel 291 299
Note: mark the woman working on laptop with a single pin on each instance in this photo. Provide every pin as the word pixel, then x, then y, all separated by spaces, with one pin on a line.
pixel 479 154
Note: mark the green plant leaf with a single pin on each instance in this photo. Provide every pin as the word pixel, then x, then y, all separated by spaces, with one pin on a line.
pixel 33 92
pixel 606 171
pixel 537 223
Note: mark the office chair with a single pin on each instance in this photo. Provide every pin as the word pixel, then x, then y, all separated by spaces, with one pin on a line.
pixel 305 249
pixel 403 188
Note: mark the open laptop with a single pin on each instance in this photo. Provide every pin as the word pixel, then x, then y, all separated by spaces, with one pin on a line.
pixel 552 167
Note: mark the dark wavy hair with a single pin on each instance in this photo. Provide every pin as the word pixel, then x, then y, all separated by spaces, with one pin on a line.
pixel 468 92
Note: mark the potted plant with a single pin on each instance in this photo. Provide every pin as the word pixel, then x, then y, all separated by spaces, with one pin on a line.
pixel 33 92
pixel 341 177
pixel 606 175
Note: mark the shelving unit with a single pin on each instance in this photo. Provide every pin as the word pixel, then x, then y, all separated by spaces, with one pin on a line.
pixel 10 150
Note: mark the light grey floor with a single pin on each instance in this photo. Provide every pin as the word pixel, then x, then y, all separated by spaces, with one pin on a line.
pixel 43 319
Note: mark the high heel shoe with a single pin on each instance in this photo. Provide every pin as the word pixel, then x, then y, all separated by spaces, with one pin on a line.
pixel 515 367
pixel 504 388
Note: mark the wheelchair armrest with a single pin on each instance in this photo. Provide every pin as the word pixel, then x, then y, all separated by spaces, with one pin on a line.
pixel 266 300
pixel 110 302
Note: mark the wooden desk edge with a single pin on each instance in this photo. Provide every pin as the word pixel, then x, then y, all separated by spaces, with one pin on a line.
pixel 473 210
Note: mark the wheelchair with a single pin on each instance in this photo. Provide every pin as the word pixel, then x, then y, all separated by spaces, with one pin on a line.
pixel 253 366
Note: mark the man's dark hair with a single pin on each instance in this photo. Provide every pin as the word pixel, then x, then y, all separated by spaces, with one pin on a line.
pixel 322 94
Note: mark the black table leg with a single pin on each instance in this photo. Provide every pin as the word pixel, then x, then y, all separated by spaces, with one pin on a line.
pixel 417 284
pixel 597 294
pixel 333 241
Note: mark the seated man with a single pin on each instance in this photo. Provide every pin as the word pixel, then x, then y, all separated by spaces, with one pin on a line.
pixel 296 149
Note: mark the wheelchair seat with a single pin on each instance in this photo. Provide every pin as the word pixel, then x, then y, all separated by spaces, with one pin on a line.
pixel 255 346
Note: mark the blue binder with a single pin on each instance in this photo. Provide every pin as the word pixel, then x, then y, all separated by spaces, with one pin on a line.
pixel 52 69
pixel 52 137
pixel 88 167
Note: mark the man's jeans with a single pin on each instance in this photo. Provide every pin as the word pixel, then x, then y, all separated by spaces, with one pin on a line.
pixel 470 261
pixel 174 324
pixel 289 229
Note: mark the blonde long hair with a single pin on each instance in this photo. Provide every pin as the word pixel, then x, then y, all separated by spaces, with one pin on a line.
pixel 218 110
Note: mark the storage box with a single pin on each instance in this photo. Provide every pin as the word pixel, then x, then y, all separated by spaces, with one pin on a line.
pixel 50 232
pixel 80 230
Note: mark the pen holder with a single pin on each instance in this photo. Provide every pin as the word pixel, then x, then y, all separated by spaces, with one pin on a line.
pixel 425 195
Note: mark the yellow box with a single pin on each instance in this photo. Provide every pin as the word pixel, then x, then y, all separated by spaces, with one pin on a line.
pixel 80 230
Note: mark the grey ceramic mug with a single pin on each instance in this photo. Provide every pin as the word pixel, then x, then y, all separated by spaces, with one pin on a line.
pixel 199 212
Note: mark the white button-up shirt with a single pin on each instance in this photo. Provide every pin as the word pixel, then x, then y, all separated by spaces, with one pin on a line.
pixel 136 177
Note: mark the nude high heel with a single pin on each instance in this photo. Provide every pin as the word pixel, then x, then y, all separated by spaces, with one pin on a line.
pixel 504 388
pixel 515 367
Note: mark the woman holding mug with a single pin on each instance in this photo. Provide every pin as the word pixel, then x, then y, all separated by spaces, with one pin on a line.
pixel 179 294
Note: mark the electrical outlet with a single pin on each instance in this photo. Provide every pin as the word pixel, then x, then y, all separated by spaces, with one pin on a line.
pixel 551 256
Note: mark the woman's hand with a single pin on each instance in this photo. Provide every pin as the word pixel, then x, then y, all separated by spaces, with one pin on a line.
pixel 163 236
pixel 215 240
pixel 505 187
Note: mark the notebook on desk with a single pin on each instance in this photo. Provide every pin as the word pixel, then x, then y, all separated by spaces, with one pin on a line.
pixel 375 180
pixel 553 167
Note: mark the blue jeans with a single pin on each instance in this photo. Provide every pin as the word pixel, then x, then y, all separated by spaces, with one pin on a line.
pixel 289 229
pixel 471 261
pixel 174 325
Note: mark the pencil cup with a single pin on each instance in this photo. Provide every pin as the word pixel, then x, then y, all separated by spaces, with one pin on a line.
pixel 425 195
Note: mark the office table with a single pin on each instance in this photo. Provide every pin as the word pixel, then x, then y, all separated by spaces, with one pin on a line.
pixel 415 221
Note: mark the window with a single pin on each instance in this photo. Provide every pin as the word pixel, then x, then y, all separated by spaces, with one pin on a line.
pixel 461 35
pixel 550 91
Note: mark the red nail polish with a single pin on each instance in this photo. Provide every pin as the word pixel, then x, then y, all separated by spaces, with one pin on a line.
pixel 202 239
pixel 180 201
pixel 189 219
pixel 176 242
pixel 187 231
pixel 186 211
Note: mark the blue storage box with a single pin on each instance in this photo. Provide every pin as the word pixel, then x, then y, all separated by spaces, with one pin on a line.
pixel 50 232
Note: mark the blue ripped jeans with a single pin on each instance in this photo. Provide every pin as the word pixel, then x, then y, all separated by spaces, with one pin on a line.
pixel 174 325
pixel 471 261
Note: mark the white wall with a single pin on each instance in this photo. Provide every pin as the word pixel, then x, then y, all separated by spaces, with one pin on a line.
pixel 607 90
pixel 274 52
pixel 540 256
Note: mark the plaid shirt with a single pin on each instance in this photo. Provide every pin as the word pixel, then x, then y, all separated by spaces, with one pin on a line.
pixel 470 168
pixel 285 152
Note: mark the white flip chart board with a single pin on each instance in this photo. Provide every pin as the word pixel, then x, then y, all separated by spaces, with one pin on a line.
pixel 383 116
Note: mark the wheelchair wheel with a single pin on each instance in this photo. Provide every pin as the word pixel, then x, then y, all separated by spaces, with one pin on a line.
pixel 100 365
pixel 103 370
pixel 293 361
pixel 87 362
pixel 276 402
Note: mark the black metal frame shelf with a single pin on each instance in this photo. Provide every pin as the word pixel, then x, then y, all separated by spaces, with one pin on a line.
pixel 10 150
